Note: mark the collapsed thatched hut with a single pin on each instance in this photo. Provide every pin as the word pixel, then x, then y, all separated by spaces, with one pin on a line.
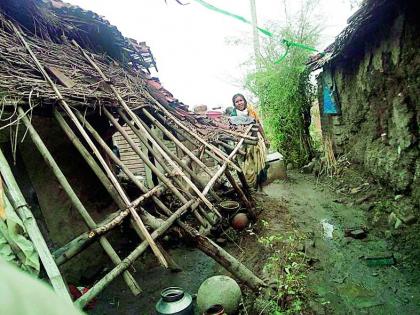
pixel 69 81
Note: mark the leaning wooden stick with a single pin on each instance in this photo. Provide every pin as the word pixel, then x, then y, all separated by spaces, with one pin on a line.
pixel 167 133
pixel 170 155
pixel 22 209
pixel 152 167
pixel 101 284
pixel 48 158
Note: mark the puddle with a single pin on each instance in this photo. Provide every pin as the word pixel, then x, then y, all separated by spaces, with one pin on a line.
pixel 327 228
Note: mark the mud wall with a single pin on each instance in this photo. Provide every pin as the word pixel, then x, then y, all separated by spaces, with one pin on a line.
pixel 378 91
pixel 59 221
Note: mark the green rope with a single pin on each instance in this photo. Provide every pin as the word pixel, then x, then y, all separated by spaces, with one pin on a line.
pixel 288 43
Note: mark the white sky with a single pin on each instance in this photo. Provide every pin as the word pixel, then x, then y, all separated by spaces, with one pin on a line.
pixel 190 43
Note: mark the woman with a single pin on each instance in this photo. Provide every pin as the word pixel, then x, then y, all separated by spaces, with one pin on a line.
pixel 242 108
pixel 253 165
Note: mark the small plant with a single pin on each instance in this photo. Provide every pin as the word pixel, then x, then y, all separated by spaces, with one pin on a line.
pixel 285 268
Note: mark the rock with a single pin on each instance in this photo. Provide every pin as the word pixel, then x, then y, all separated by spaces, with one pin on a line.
pixel 367 206
pixel 358 234
pixel 221 241
pixel 219 290
pixel 409 219
pixel 398 223
pixel 307 169
pixel 392 218
pixel 398 197
pixel 355 190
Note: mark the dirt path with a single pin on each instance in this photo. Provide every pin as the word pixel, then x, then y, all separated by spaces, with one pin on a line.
pixel 342 281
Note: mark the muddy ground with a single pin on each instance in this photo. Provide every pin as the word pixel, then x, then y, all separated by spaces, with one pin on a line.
pixel 299 246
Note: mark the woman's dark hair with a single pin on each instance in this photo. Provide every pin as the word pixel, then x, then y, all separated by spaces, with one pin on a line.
pixel 236 96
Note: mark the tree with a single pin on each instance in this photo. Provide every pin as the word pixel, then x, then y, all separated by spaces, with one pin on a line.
pixel 283 87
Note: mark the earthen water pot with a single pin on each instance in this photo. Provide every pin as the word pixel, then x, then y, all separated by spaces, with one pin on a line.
pixel 216 309
pixel 240 221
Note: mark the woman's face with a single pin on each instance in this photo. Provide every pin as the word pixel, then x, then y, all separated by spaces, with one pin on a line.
pixel 240 103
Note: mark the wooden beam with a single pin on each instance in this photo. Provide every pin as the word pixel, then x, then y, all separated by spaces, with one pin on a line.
pixel 24 212
pixel 69 111
pixel 49 160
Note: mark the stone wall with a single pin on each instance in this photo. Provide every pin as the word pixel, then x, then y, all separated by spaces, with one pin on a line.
pixel 378 91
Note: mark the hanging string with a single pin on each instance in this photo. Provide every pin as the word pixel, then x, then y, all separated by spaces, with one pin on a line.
pixel 286 42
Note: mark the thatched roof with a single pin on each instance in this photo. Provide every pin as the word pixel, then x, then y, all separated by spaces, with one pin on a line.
pixel 56 21
pixel 361 28
pixel 51 26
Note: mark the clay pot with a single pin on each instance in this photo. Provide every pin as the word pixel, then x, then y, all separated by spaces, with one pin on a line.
pixel 220 290
pixel 216 309
pixel 240 221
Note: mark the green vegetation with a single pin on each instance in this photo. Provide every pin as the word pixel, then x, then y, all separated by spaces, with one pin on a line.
pixel 286 268
pixel 284 89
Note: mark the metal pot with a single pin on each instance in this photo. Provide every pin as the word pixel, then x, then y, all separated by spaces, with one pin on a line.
pixel 174 301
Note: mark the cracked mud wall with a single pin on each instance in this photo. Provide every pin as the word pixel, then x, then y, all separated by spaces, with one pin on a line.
pixel 378 90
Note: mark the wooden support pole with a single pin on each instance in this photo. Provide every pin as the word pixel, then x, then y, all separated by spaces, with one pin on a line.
pixel 48 158
pixel 111 176
pixel 157 147
pixel 241 194
pixel 170 154
pixel 101 284
pixel 114 158
pixel 114 194
pixel 228 146
pixel 75 246
pixel 156 200
pixel 88 158
pixel 152 167
pixel 22 209
pixel 134 117
pixel 178 143
pixel 203 243
pixel 211 147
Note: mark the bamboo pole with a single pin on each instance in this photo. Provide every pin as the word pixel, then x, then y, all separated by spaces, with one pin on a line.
pixel 101 284
pixel 162 145
pixel 180 145
pixel 75 246
pixel 241 194
pixel 203 244
pixel 170 154
pixel 68 110
pixel 114 194
pixel 211 147
pixel 223 167
pixel 48 158
pixel 156 200
pixel 152 167
pixel 135 118
pixel 228 147
pixel 113 157
pixel 88 158
pixel 177 170
pixel 22 209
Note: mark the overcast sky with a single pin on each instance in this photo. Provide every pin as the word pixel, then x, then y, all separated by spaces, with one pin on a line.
pixel 192 45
